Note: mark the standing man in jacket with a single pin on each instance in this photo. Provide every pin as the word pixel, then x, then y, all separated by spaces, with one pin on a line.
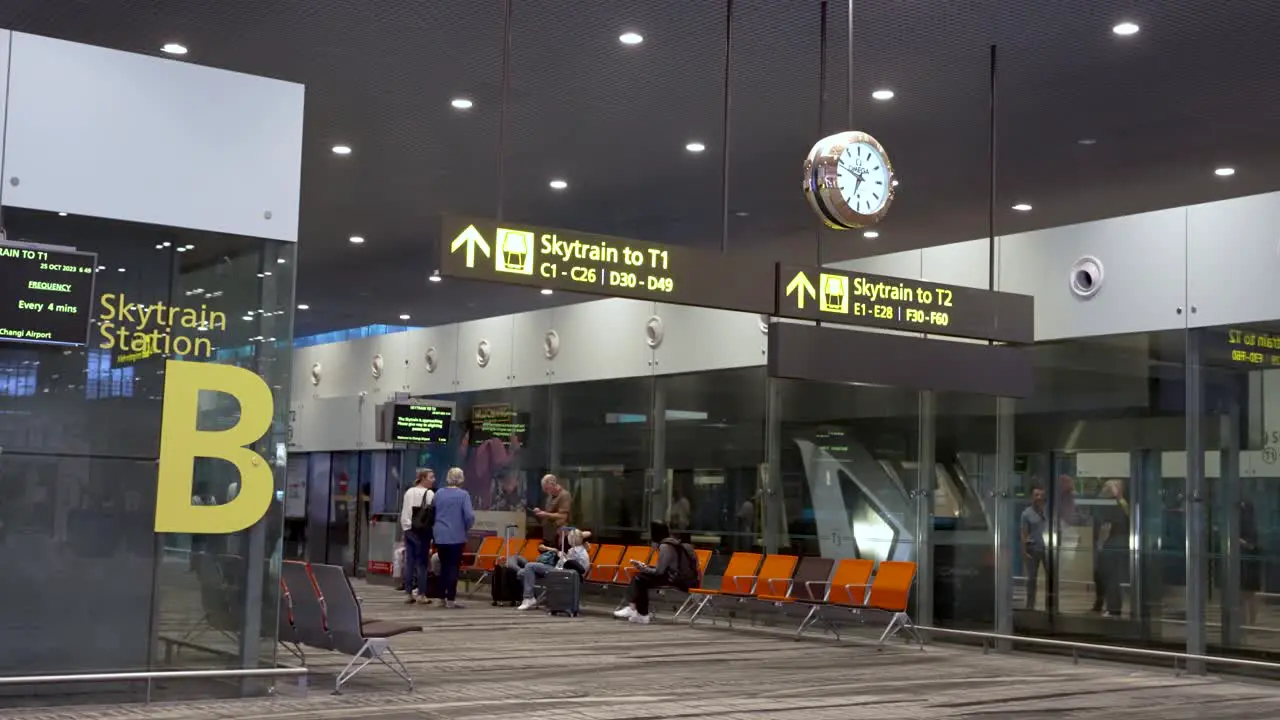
pixel 558 510
pixel 417 541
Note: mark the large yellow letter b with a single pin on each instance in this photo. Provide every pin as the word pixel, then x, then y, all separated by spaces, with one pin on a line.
pixel 181 443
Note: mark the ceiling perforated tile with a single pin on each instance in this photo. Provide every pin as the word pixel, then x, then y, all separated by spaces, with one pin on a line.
pixel 1199 86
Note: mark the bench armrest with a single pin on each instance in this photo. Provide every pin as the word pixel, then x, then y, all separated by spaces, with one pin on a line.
pixel 859 597
pixel 735 583
pixel 773 585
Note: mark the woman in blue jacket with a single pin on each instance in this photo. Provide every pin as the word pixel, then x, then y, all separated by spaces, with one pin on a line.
pixel 454 517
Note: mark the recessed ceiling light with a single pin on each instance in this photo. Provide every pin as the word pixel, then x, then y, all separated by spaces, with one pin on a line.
pixel 435 278
pixel 355 240
pixel 404 317
pixel 742 213
pixel 341 149
pixel 120 269
pixel 461 103
pixel 1225 171
pixel 174 48
pixel 102 267
pixel 630 38
pixel 62 214
pixel 1022 207
pixel 871 234
pixel 1126 28
pixel 695 147
pixel 882 94
pixel 558 184
pixel 304 306
pixel 546 291
pixel 248 317
pixel 281 261
pixel 1087 141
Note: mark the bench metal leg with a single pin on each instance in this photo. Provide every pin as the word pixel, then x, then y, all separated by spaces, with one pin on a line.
pixel 901 621
pixel 704 604
pixel 374 649
pixel 683 606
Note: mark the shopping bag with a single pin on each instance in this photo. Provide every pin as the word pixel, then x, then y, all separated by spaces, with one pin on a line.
pixel 397 563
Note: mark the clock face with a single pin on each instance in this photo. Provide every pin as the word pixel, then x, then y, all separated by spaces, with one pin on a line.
pixel 862 177
pixel 849 180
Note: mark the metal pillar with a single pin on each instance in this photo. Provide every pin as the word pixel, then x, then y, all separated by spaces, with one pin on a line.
pixel 1006 526
pixel 1194 507
pixel 770 489
pixel 1229 526
pixel 658 435
pixel 926 479
pixel 555 431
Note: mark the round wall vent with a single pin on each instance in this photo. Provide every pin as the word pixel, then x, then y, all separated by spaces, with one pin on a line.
pixel 551 344
pixel 377 367
pixel 653 331
pixel 1086 277
pixel 316 372
pixel 483 353
pixel 430 359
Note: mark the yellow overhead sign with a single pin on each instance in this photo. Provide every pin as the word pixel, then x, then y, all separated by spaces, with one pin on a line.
pixel 470 240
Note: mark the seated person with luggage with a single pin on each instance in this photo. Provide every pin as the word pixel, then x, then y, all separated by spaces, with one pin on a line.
pixel 574 557
pixel 677 567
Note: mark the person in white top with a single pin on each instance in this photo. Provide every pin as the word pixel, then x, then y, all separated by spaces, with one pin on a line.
pixel 417 542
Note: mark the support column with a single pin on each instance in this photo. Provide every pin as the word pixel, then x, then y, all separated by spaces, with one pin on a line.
pixel 926 479
pixel 1006 526
pixel 1138 509
pixel 1229 526
pixel 658 435
pixel 1193 505
pixel 555 430
pixel 770 488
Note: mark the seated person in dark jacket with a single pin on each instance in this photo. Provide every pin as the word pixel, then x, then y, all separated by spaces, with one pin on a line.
pixel 677 567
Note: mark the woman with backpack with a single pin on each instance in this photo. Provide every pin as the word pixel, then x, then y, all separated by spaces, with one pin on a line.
pixel 415 521
pixel 677 567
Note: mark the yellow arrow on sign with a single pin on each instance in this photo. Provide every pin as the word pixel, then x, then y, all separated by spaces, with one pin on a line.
pixel 471 239
pixel 801 286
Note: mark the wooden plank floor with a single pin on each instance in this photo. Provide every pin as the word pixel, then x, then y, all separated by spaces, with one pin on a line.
pixel 484 662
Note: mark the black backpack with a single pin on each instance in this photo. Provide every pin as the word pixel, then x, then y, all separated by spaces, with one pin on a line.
pixel 685 573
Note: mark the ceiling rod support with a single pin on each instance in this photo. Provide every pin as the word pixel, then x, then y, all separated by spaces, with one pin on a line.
pixel 724 141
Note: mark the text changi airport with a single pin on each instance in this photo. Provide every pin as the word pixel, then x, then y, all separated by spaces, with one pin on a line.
pixel 149 329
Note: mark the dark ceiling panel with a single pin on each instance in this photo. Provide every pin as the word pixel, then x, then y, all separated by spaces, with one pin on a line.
pixel 1197 87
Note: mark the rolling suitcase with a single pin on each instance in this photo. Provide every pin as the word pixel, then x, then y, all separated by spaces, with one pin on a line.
pixel 564 592
pixel 505 585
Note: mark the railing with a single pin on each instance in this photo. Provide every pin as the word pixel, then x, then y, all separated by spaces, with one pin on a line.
pixel 151 676
pixel 1077 647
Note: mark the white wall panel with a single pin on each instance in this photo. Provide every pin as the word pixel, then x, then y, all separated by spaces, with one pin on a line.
pixel 529 363
pixel 1233 252
pixel 904 264
pixel 497 373
pixel 963 263
pixel 6 37
pixel 444 340
pixel 602 340
pixel 698 339
pixel 1144 260
pixel 100 132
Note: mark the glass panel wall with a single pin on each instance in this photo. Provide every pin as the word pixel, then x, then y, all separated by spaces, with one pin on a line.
pixel 80 432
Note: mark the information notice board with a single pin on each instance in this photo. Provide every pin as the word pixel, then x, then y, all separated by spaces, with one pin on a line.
pixel 46 294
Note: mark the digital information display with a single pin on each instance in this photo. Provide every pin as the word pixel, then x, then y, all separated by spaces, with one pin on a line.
pixel 420 424
pixel 854 298
pixel 573 261
pixel 500 421
pixel 45 294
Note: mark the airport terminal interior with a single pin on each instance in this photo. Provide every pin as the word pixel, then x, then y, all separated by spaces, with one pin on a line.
pixel 892 360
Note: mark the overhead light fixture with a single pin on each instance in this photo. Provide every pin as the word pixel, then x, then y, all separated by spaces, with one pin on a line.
pixel 1087 141
pixel 248 317
pixel 882 94
pixel 62 214
pixel 630 38
pixel 119 269
pixel 281 261
pixel 558 184
pixel 871 234
pixel 695 147
pixel 341 149
pixel 435 277
pixel 355 240
pixel 304 306
pixel 174 48
pixel 1126 28
pixel 102 267
pixel 1225 171
pixel 166 243
pixel 894 183
pixel 546 291
pixel 404 317
pixel 159 246
pixel 461 103
pixel 742 213
pixel 1022 207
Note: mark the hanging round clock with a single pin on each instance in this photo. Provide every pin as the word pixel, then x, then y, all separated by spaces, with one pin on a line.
pixel 849 181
